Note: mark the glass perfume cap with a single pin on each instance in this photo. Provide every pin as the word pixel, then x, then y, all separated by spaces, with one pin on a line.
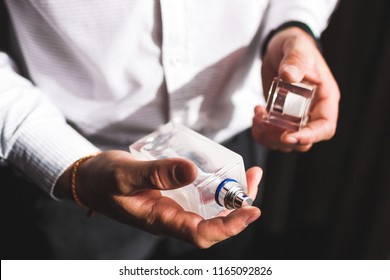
pixel 288 104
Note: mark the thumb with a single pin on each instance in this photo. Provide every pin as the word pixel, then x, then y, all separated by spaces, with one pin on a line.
pixel 292 67
pixel 164 174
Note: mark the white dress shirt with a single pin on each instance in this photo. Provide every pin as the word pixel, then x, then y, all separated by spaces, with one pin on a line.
pixel 102 74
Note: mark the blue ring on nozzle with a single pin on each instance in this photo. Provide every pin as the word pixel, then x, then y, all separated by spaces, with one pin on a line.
pixel 220 186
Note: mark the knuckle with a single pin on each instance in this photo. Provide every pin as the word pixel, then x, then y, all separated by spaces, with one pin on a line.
pixel 156 177
pixel 118 177
pixel 296 55
pixel 113 171
pixel 202 243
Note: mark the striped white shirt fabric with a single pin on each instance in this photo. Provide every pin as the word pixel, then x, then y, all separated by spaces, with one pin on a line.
pixel 102 74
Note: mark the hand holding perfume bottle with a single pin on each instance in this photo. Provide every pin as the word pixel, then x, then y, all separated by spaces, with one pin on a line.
pixel 221 179
pixel 292 55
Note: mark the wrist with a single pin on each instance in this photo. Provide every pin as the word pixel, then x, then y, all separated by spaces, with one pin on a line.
pixel 62 188
pixel 66 183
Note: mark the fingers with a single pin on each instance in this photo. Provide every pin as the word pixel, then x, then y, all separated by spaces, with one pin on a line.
pixel 297 57
pixel 214 230
pixel 253 177
pixel 267 134
pixel 170 219
pixel 276 138
pixel 313 132
pixel 163 217
pixel 301 60
pixel 323 116
pixel 291 69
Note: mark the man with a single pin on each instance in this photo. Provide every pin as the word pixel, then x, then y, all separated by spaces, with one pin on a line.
pixel 98 76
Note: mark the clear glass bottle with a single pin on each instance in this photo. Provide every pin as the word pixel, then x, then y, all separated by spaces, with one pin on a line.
pixel 221 180
pixel 288 104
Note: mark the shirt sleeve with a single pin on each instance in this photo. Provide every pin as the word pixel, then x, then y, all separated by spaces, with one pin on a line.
pixel 313 13
pixel 34 135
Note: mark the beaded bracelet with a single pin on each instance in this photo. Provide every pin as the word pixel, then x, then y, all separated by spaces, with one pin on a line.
pixel 73 183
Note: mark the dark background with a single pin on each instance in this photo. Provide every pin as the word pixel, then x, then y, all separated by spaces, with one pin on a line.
pixel 332 202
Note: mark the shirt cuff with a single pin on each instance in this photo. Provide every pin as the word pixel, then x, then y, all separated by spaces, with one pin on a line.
pixel 314 14
pixel 44 152
pixel 34 135
pixel 288 24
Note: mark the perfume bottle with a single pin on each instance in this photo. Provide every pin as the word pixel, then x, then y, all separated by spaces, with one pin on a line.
pixel 288 104
pixel 221 179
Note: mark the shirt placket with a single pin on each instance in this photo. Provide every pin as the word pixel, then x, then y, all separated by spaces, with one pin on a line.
pixel 175 56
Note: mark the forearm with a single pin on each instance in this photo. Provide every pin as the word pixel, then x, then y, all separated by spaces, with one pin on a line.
pixel 34 135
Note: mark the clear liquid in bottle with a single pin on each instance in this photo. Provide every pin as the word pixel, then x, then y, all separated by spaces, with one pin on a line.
pixel 221 181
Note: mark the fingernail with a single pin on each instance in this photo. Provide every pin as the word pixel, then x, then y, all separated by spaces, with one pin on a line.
pixel 293 72
pixel 180 174
pixel 291 140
